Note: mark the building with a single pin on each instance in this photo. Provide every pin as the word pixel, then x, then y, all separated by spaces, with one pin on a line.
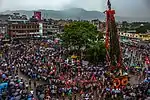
pixel 4 18
pixel 54 26
pixel 129 35
pixel 96 23
pixel 19 26
pixel 3 29
pixel 50 28
pixel 143 37
pixel 3 25
pixel 100 25
pixel 131 31
pixel 17 18
pixel 24 30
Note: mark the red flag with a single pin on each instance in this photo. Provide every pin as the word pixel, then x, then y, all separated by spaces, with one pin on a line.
pixel 93 77
pixel 147 60
pixel 54 68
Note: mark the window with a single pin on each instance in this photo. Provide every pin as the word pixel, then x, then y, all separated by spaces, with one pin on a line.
pixel 32 26
pixel 13 27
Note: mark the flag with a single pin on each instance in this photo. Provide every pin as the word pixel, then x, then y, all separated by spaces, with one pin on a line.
pixel 93 78
pixel 109 4
pixel 37 15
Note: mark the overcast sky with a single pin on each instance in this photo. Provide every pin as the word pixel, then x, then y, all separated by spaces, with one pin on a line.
pixel 123 7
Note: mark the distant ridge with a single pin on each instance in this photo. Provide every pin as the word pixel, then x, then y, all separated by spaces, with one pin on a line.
pixel 73 13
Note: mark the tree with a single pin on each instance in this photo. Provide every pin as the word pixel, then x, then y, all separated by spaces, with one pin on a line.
pixel 78 34
pixel 124 25
pixel 83 36
pixel 96 52
pixel 143 28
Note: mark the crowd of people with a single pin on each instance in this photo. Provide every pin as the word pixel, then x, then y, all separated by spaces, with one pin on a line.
pixel 12 86
pixel 63 76
pixel 135 58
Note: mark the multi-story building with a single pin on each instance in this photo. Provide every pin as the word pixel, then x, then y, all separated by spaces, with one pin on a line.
pixel 4 18
pixel 17 18
pixel 50 28
pixel 100 25
pixel 3 29
pixel 96 22
pixel 20 27
pixel 3 25
pixel 143 37
pixel 22 30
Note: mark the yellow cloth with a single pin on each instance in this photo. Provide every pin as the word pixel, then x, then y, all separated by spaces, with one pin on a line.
pixel 73 56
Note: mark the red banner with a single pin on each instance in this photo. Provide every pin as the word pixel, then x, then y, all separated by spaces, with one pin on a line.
pixel 37 15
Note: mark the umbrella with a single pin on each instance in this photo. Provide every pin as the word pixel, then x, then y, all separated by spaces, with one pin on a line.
pixel 107 89
pixel 18 97
pixel 29 98
pixel 12 98
pixel 13 90
pixel 12 83
pixel 41 96
pixel 148 91
pixel 137 67
pixel 73 57
pixel 146 80
pixel 17 85
pixel 15 94
pixel 133 65
pixel 4 85
pixel 33 99
pixel 30 95
pixel 18 90
pixel 148 72
pixel 3 76
pixel 116 91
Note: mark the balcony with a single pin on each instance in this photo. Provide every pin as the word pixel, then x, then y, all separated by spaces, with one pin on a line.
pixel 23 29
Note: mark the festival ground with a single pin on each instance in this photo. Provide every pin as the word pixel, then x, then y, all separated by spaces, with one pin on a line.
pixel 20 57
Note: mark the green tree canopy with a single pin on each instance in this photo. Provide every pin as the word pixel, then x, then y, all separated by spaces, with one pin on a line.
pixel 96 52
pixel 79 34
pixel 144 28
pixel 83 36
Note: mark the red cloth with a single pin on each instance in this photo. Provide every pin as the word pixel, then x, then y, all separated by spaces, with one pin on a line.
pixel 147 60
pixel 54 68
pixel 93 78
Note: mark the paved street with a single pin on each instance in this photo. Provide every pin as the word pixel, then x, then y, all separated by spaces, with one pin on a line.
pixel 32 81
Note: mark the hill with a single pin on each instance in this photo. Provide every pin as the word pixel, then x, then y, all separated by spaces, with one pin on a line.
pixel 74 13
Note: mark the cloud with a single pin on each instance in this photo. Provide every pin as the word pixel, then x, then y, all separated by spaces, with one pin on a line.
pixel 147 3
pixel 34 4
pixel 123 7
pixel 133 8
